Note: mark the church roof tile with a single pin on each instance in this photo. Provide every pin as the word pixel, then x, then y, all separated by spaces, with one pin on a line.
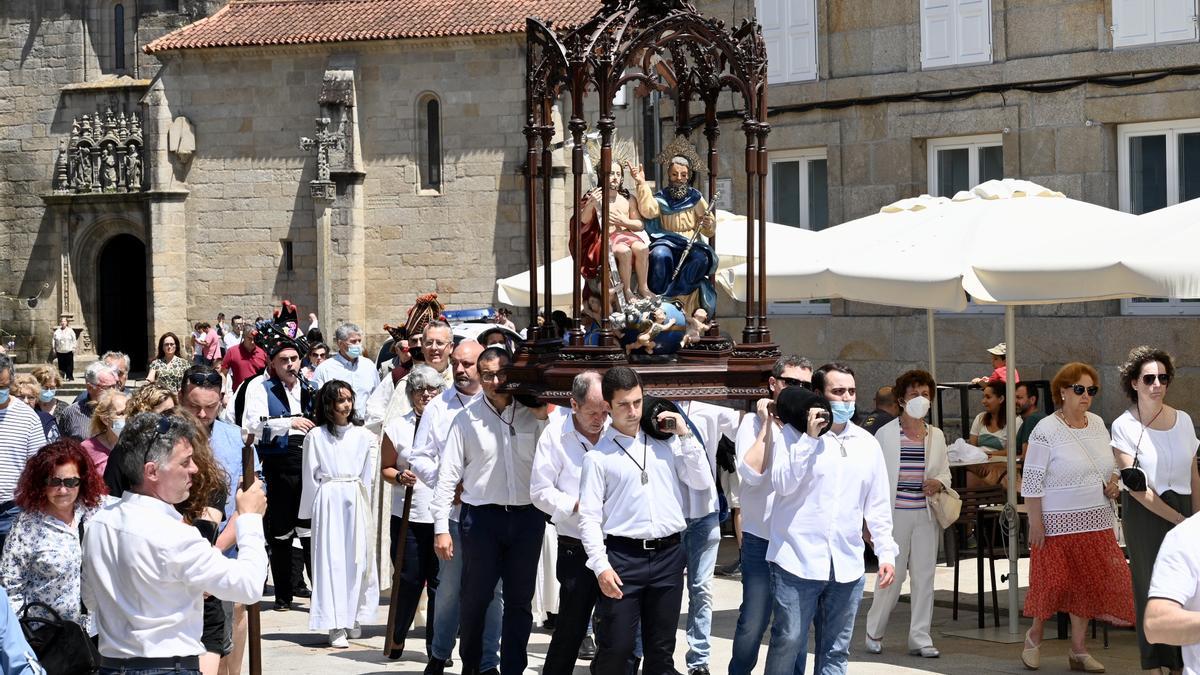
pixel 244 23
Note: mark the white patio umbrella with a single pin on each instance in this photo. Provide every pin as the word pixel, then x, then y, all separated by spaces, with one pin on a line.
pixel 731 249
pixel 1163 252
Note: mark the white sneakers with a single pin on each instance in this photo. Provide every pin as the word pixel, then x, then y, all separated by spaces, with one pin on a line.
pixel 337 638
pixel 356 632
pixel 874 646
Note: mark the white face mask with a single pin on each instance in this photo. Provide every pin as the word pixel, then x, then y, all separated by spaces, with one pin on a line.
pixel 917 407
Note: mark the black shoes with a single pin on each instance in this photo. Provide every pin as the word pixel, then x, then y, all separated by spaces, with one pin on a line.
pixel 699 670
pixel 282 606
pixel 436 667
pixel 587 648
pixel 302 592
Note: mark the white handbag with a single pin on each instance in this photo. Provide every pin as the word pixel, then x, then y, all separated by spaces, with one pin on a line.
pixel 946 506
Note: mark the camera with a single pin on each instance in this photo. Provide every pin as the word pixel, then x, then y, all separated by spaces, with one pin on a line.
pixel 666 424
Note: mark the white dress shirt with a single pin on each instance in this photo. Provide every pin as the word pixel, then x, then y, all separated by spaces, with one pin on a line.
pixel 756 493
pixel 145 574
pixel 402 431
pixel 613 500
pixel 256 408
pixel 425 456
pixel 557 465
pixel 713 422
pixel 1177 577
pixel 824 489
pixel 491 452
pixel 359 374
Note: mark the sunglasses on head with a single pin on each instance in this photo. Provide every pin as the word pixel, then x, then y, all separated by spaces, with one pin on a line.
pixel 55 481
pixel 1079 389
pixel 794 382
pixel 1163 378
pixel 163 426
pixel 205 379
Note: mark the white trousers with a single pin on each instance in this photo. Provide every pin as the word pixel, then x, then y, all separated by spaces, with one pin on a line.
pixel 917 535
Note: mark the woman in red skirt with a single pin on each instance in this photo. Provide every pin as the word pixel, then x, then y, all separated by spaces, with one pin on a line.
pixel 1069 482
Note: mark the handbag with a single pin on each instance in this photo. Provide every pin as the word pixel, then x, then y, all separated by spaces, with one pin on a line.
pixel 946 506
pixel 62 646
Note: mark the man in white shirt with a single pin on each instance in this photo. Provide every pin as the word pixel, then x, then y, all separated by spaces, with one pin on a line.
pixel 234 335
pixel 554 487
pixel 631 515
pixel 756 437
pixel 490 450
pixel 21 436
pixel 425 460
pixel 1173 611
pixel 349 366
pixel 437 344
pixel 145 572
pixel 64 348
pixel 826 485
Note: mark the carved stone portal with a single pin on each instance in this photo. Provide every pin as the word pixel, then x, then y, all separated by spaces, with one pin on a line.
pixel 103 154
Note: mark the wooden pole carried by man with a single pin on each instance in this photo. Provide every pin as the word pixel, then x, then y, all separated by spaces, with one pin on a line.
pixel 254 626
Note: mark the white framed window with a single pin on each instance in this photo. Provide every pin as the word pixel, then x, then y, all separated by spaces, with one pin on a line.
pixel 955 33
pixel 1137 23
pixel 789 30
pixel 962 162
pixel 1158 165
pixel 798 195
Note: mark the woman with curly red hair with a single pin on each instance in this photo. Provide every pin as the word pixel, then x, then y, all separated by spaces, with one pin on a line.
pixel 58 492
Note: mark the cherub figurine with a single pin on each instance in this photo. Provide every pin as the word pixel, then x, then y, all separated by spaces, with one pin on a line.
pixel 656 323
pixel 697 325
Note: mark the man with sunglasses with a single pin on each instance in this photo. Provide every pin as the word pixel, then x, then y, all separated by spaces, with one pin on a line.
pixel 755 445
pixel 145 572
pixel 828 479
pixel 278 414
pixel 75 420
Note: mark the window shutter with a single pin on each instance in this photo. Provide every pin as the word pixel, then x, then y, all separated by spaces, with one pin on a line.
pixel 1133 22
pixel 974 31
pixel 937 33
pixel 1174 20
pixel 772 17
pixel 802 40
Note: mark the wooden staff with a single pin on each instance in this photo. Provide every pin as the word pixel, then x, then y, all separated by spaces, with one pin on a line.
pixel 254 627
pixel 397 567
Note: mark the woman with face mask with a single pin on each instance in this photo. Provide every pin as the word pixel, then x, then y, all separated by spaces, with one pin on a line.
pixel 108 419
pixel 918 468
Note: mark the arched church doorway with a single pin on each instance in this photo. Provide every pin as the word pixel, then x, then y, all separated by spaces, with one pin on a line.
pixel 121 295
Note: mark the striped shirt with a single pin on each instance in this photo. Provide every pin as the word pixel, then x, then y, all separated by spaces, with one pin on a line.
pixel 911 479
pixel 21 436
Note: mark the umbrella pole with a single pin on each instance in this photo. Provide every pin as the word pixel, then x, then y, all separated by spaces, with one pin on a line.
pixel 1010 513
pixel 253 623
pixel 932 361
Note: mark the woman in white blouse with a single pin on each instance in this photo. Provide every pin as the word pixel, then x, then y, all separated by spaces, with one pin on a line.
pixel 1162 441
pixel 918 468
pixel 1076 565
pixel 420 570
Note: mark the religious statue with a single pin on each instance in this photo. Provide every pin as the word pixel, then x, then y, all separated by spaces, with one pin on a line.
pixel 323 142
pixel 697 325
pixel 681 264
pixel 81 169
pixel 653 324
pixel 108 169
pixel 133 169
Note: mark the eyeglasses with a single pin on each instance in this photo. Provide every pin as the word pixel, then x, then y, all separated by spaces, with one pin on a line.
pixel 202 379
pixel 492 377
pixel 55 481
pixel 1163 379
pixel 428 392
pixel 794 382
pixel 1079 389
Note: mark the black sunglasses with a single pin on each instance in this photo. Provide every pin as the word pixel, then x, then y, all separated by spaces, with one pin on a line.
pixel 1079 389
pixel 205 379
pixel 164 425
pixel 1163 378
pixel 55 481
pixel 793 382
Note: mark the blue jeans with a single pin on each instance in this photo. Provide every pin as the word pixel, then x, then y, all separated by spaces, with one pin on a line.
pixel 702 538
pixel 8 516
pixel 446 608
pixel 827 605
pixel 755 613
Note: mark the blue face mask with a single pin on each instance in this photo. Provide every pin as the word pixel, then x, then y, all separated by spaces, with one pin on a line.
pixel 4 396
pixel 843 411
pixel 354 351
pixel 118 425
pixel 47 395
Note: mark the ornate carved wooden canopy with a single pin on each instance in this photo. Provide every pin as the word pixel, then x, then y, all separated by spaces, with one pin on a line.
pixel 668 47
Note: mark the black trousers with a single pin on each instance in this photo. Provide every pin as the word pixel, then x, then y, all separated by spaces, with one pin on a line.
pixel 66 364
pixel 420 571
pixel 652 594
pixel 577 594
pixel 301 563
pixel 282 476
pixel 499 544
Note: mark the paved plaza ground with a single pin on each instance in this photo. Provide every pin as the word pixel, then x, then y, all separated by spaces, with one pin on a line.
pixel 289 647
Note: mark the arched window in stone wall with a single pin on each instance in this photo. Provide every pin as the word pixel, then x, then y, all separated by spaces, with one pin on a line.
pixel 429 142
pixel 118 27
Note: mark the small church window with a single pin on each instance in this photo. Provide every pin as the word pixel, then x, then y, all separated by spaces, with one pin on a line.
pixel 119 36
pixel 431 144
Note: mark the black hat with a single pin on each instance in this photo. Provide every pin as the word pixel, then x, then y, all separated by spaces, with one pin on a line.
pixel 272 338
pixel 652 407
pixel 793 405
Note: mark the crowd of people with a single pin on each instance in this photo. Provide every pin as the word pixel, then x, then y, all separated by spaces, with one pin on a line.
pixel 133 513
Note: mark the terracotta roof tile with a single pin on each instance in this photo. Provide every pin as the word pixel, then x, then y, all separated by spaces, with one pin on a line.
pixel 279 22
